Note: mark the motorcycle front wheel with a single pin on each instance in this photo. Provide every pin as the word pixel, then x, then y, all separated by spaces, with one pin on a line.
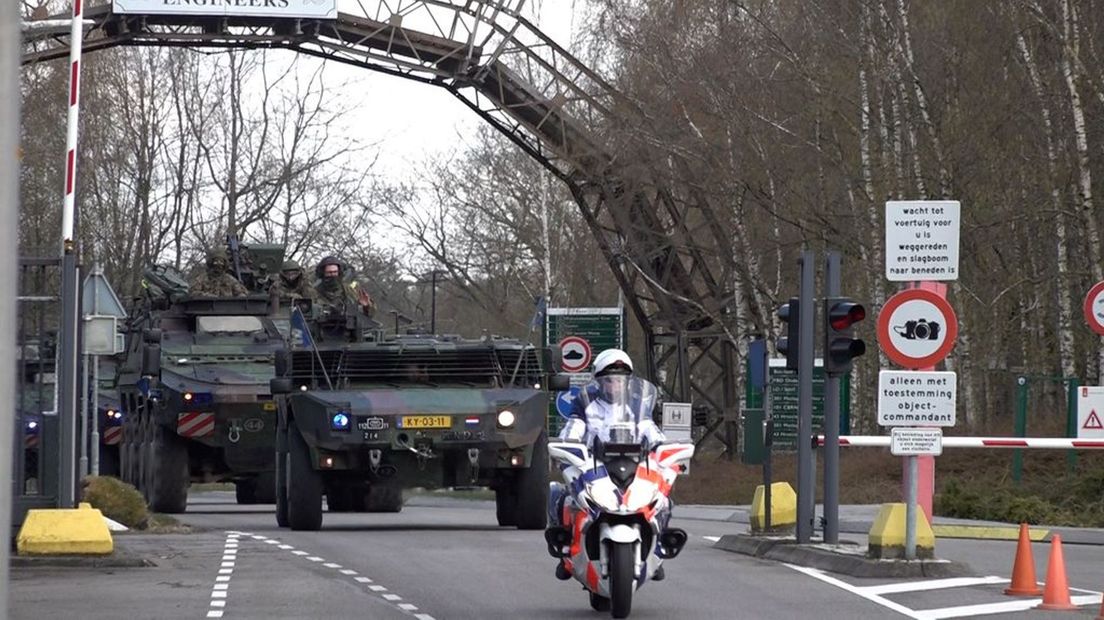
pixel 622 581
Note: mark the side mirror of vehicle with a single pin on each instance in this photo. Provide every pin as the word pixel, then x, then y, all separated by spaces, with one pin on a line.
pixel 280 385
pixel 552 358
pixel 282 363
pixel 559 383
pixel 151 361
pixel 152 336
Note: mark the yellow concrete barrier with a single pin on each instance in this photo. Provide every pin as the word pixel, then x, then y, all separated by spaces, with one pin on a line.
pixel 65 531
pixel 887 535
pixel 783 508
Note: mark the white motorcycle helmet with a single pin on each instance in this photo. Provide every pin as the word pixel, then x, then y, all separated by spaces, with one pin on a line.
pixel 612 369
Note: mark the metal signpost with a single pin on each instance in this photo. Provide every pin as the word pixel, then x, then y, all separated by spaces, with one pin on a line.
pixel 917 329
pixel 806 474
pixel 9 268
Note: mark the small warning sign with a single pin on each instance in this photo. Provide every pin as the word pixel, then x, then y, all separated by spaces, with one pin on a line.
pixel 1090 404
pixel 1093 422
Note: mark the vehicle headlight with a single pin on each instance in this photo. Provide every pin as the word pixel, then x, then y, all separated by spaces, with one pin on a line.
pixel 506 418
pixel 340 421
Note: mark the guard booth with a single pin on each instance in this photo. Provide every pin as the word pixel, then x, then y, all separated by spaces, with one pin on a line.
pixel 35 450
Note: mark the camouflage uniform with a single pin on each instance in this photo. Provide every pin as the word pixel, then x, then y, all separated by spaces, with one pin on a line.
pixel 336 295
pixel 292 283
pixel 217 281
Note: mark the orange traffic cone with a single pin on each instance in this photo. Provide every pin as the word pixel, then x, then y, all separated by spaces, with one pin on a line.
pixel 1056 596
pixel 1023 569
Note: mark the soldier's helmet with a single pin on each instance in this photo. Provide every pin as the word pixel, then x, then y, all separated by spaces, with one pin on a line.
pixel 291 270
pixel 320 270
pixel 216 260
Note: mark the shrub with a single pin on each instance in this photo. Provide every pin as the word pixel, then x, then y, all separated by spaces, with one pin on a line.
pixel 117 500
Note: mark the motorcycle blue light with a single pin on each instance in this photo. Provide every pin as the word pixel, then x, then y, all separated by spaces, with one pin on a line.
pixel 340 421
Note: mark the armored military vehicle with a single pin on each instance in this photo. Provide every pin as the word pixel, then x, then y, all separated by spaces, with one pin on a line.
pixel 363 416
pixel 194 384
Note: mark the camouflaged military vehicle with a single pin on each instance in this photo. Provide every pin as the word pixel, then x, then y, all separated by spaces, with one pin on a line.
pixel 194 384
pixel 364 416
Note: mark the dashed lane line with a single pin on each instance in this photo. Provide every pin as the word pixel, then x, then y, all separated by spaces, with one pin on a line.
pixel 222 585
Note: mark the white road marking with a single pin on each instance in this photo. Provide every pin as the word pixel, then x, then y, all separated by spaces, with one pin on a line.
pixel 218 594
pixel 230 551
pixel 218 603
pixel 214 613
pixel 222 578
pixel 256 537
pixel 843 585
pixel 712 538
pixel 376 588
pixel 222 586
pixel 997 608
pixel 228 565
pixel 272 542
pixel 932 584
pixel 226 571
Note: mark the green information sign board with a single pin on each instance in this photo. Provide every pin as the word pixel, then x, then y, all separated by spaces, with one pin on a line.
pixel 582 333
pixel 784 402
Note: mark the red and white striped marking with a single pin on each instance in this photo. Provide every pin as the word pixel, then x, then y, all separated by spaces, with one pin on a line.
pixel 112 435
pixel 76 42
pixel 195 424
pixel 1040 443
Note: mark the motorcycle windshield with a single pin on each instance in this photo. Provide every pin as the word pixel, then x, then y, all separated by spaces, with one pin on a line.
pixel 618 403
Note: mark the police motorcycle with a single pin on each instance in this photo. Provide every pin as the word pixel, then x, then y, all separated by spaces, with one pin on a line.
pixel 612 534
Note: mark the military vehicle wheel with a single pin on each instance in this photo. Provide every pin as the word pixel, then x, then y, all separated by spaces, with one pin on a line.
pixel 506 507
pixel 168 471
pixel 109 460
pixel 264 485
pixel 531 489
pixel 304 484
pixel 281 480
pixel 126 456
pixel 245 491
pixel 383 498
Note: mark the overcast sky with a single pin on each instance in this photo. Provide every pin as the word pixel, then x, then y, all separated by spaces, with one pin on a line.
pixel 410 121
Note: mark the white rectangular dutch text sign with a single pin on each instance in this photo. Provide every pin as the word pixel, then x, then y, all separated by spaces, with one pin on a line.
pixel 915 441
pixel 921 240
pixel 318 9
pixel 909 398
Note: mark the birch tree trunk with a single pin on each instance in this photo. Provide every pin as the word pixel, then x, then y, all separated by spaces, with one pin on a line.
pixel 1066 355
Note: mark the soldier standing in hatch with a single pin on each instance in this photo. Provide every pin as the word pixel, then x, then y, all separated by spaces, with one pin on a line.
pixel 338 295
pixel 217 281
pixel 292 284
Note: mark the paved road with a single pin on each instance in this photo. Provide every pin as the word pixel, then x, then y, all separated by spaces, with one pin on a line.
pixel 444 559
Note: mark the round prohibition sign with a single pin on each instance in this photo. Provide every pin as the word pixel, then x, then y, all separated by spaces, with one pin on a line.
pixel 575 353
pixel 1094 308
pixel 917 328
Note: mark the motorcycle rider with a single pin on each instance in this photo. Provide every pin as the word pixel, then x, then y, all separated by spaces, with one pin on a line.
pixel 590 418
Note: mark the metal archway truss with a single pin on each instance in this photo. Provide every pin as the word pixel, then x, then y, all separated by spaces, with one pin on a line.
pixel 662 251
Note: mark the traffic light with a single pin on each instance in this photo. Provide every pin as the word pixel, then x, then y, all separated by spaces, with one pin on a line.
pixel 790 346
pixel 840 344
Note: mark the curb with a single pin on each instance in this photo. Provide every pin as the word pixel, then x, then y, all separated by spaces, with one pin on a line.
pixel 76 561
pixel 846 559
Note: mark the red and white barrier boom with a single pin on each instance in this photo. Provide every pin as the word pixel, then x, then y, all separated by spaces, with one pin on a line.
pixel 1041 443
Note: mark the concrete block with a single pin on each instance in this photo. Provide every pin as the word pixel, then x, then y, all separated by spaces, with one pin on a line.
pixel 887 534
pixel 65 531
pixel 783 508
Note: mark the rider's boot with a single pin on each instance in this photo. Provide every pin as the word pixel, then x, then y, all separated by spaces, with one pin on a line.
pixel 660 574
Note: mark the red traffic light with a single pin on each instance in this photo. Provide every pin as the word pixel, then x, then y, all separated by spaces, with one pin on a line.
pixel 844 314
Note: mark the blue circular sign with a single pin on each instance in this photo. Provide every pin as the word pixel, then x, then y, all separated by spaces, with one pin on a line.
pixel 564 400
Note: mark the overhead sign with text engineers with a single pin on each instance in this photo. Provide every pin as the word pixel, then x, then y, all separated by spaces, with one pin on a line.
pixel 317 9
pixel 910 398
pixel 921 240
